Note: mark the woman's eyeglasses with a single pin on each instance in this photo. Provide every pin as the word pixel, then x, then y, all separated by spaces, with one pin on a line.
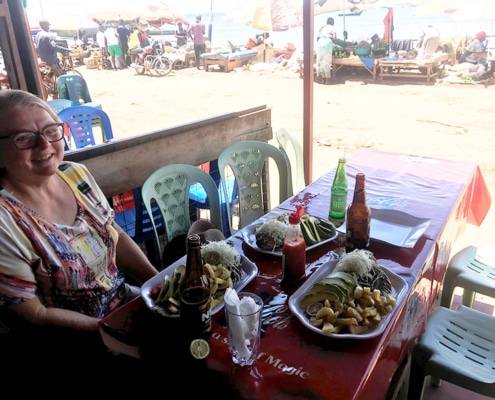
pixel 27 140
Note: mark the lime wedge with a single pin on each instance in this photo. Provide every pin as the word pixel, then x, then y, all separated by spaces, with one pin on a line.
pixel 200 349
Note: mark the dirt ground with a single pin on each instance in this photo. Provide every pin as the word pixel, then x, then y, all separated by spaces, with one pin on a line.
pixel 442 120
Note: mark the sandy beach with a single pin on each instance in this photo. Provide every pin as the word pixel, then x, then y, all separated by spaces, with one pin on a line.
pixel 450 121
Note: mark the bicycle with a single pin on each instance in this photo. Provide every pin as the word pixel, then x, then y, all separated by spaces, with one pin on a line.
pixel 152 60
pixel 49 75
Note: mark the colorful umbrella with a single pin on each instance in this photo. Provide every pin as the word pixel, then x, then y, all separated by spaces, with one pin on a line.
pixel 162 13
pixel 266 15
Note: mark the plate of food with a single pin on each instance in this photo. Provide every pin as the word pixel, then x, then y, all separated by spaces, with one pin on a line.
pixel 224 266
pixel 350 298
pixel 268 236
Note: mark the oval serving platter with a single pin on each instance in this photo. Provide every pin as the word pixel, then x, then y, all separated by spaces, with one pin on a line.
pixel 399 290
pixel 249 236
pixel 249 271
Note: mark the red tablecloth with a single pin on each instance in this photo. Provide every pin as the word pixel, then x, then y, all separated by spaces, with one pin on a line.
pixel 297 363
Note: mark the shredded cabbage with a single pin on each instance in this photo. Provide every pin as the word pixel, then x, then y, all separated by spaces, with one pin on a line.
pixel 275 229
pixel 361 262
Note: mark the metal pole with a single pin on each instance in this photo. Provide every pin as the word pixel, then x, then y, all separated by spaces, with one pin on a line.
pixel 210 26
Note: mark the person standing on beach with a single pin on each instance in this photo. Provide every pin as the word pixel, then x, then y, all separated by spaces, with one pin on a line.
pixel 114 49
pixel 197 34
pixel 123 32
pixel 47 48
pixel 181 35
pixel 324 52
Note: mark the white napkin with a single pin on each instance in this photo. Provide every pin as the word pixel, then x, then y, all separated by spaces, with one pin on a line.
pixel 242 328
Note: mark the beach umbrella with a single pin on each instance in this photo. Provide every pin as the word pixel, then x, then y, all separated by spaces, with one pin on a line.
pixel 163 13
pixel 266 15
pixel 475 9
pixel 438 6
pixel 73 23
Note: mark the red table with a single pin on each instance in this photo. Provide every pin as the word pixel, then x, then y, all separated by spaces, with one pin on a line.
pixel 295 362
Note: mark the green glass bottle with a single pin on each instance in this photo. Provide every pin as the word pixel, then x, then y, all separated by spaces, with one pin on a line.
pixel 338 197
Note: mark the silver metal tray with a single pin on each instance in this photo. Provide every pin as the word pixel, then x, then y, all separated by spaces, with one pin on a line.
pixel 249 236
pixel 249 271
pixel 399 290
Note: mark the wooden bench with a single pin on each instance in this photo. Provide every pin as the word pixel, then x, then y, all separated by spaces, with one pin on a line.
pixel 412 69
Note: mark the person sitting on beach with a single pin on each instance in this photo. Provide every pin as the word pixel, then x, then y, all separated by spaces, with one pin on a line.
pixel 134 45
pixel 143 39
pixel 476 49
pixel 259 39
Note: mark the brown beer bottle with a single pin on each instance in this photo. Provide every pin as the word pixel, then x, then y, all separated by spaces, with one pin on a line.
pixel 358 218
pixel 194 294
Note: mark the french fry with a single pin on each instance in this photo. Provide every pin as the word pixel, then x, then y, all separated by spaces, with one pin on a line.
pixel 360 314
pixel 346 321
pixel 324 312
pixel 327 328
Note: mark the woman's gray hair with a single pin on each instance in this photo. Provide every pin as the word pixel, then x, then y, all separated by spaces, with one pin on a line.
pixel 10 99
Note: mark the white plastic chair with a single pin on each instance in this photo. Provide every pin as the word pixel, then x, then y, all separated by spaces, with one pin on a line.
pixel 292 148
pixel 249 160
pixel 458 347
pixel 473 270
pixel 169 186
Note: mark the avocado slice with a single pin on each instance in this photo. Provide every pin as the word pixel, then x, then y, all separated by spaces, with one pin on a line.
pixel 321 296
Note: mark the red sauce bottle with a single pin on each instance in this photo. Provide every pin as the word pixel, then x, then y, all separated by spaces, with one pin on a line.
pixel 294 250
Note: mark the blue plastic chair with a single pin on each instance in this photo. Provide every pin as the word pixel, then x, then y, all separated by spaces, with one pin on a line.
pixel 74 88
pixel 58 105
pixel 81 120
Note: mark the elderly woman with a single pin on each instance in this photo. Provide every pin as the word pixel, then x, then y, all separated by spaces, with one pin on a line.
pixel 63 259
pixel 324 52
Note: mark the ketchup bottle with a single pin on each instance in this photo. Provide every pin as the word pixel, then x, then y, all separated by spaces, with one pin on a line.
pixel 294 250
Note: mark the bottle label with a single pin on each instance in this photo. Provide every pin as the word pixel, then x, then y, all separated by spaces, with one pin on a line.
pixel 195 312
pixel 338 205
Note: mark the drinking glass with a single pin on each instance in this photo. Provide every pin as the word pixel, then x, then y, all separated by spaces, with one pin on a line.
pixel 244 328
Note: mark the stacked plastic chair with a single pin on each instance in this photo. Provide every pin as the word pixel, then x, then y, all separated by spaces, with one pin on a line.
pixel 74 88
pixel 81 121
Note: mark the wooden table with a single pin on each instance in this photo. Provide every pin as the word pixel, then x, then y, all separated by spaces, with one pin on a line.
pixel 338 63
pixel 412 69
pixel 295 362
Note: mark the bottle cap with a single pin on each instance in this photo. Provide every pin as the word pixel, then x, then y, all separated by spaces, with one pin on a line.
pixel 295 217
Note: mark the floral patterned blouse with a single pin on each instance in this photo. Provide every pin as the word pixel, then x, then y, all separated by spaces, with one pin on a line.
pixel 71 267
